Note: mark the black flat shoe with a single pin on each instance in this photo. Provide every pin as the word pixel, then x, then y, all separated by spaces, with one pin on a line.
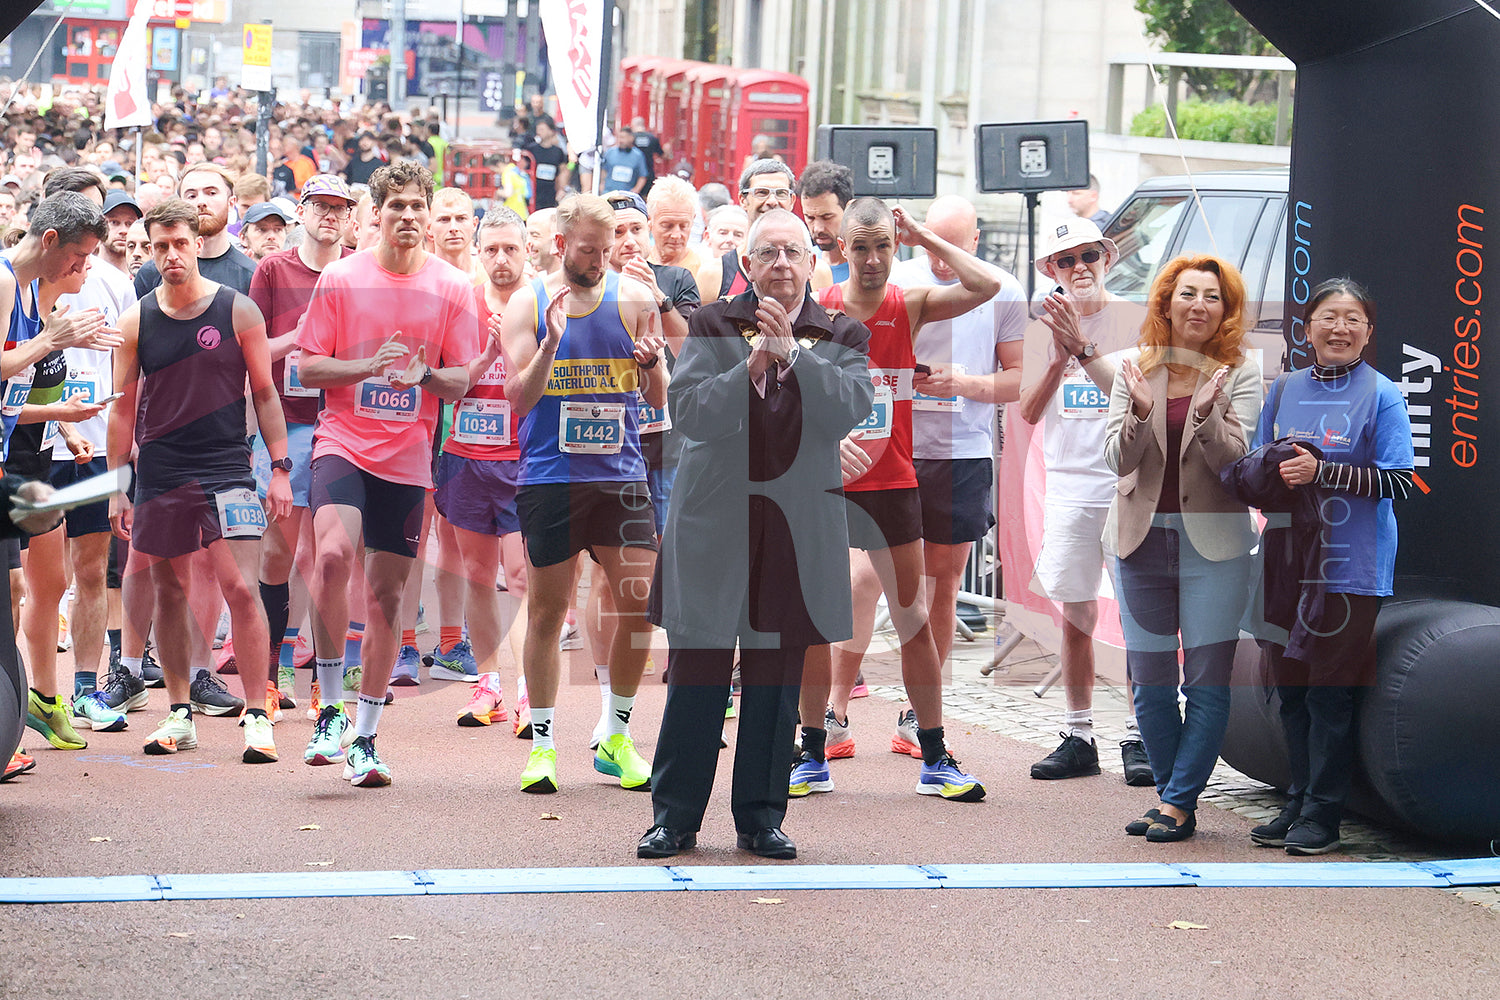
pixel 1138 827
pixel 1167 830
pixel 768 843
pixel 663 842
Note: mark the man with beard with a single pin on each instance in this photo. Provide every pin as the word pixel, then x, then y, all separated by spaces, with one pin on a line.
pixel 189 347
pixel 362 167
pixel 209 188
pixel 120 213
pixel 477 479
pixel 265 229
pixel 825 189
pixel 378 324
pixel 551 166
pixel 282 288
pixel 578 344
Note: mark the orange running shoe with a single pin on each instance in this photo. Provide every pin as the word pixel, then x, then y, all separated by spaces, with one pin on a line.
pixel 485 703
pixel 20 763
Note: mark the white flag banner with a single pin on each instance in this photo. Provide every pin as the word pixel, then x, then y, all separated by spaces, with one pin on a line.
pixel 575 32
pixel 126 102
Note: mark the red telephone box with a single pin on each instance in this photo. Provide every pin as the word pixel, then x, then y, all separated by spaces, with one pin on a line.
pixel 713 129
pixel 630 87
pixel 670 103
pixel 764 102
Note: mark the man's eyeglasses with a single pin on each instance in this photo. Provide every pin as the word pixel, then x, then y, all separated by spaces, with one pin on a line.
pixel 323 208
pixel 768 254
pixel 1067 261
pixel 769 194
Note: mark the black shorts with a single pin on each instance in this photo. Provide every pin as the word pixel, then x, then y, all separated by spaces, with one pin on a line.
pixel 559 520
pixel 183 520
pixel 392 512
pixel 12 552
pixel 884 519
pixel 112 571
pixel 956 499
pixel 90 519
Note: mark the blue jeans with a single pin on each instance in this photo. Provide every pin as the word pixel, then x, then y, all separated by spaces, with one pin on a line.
pixel 661 481
pixel 1168 589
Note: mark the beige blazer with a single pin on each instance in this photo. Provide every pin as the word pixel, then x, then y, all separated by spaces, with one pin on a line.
pixel 1219 526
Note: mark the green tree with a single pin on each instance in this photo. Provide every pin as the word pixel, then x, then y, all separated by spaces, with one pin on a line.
pixel 1216 28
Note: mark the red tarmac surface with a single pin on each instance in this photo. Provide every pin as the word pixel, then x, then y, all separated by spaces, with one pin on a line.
pixel 456 803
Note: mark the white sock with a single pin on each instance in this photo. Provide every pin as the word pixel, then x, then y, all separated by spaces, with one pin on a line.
pixel 1080 724
pixel 367 715
pixel 620 708
pixel 601 671
pixel 1132 731
pixel 132 664
pixel 541 728
pixel 330 674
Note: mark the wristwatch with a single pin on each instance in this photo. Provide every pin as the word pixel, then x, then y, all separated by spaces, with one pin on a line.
pixel 283 464
pixel 1086 354
pixel 426 376
pixel 664 304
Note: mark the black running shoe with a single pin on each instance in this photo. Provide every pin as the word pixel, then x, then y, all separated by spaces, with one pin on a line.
pixel 1075 757
pixel 209 696
pixel 151 670
pixel 122 690
pixel 1137 764
pixel 1273 834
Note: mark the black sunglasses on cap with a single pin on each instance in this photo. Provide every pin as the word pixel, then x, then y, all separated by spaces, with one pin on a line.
pixel 1067 261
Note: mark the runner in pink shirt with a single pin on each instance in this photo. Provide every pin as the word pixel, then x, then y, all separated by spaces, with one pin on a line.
pixel 388 334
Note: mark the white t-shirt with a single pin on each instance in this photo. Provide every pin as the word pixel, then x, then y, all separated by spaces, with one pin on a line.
pixel 1074 423
pixel 111 291
pixel 961 428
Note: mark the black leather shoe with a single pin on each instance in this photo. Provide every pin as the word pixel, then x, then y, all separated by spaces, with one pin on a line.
pixel 768 843
pixel 663 842
pixel 1167 830
pixel 1137 764
pixel 1138 827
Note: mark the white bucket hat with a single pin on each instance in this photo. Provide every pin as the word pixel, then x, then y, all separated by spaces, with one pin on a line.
pixel 1075 233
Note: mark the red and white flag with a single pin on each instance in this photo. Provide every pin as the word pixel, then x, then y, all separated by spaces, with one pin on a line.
pixel 575 32
pixel 126 101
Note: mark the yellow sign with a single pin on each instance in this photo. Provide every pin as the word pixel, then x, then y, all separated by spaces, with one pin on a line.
pixel 256 70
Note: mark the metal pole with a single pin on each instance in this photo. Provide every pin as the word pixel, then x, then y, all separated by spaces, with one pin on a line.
pixel 396 79
pixel 459 82
pixel 265 101
pixel 1031 201
pixel 606 57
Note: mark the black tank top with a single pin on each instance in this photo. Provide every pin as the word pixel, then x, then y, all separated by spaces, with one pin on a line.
pixel 191 421
pixel 733 280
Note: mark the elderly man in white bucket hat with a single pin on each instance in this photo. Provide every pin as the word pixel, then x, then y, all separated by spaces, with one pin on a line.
pixel 1065 383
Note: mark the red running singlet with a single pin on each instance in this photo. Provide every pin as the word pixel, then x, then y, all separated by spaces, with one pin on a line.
pixel 886 433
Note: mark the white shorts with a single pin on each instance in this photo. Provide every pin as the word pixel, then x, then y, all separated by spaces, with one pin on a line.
pixel 1070 566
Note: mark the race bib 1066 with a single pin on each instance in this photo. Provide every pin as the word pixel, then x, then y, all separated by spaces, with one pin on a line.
pixel 379 400
pixel 591 428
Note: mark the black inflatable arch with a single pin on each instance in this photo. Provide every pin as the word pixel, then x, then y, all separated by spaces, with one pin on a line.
pixel 1394 182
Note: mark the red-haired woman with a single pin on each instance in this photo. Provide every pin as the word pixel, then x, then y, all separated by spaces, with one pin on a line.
pixel 1184 407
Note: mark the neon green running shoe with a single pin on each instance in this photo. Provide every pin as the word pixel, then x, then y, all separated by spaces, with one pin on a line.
pixel 617 756
pixel 540 775
pixel 53 718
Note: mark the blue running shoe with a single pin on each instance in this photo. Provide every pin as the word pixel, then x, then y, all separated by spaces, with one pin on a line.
pixel 947 779
pixel 457 664
pixel 809 775
pixel 408 669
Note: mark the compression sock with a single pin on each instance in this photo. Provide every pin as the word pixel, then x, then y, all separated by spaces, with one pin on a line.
pixel 814 741
pixel 288 656
pixel 541 729
pixel 931 741
pixel 114 643
pixel 277 598
pixel 353 642
pixel 409 637
pixel 448 637
pixel 84 682
pixel 330 675
pixel 367 715
pixel 620 707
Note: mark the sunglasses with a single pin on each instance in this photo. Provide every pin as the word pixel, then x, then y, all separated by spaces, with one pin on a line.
pixel 1066 261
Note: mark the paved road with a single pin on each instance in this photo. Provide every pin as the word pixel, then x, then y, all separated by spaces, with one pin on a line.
pixel 456 804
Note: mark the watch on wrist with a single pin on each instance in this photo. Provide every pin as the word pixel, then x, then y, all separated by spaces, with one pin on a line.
pixel 426 376
pixel 1085 355
pixel 664 304
pixel 283 464
pixel 652 364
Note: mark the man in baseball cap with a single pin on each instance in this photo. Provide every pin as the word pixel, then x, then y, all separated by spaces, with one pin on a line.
pixel 1065 384
pixel 265 229
pixel 120 213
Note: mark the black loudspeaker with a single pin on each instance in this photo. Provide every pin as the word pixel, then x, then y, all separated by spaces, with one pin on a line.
pixel 1032 156
pixel 889 161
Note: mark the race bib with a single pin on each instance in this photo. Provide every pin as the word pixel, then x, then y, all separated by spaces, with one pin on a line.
pixel 84 380
pixel 878 423
pixel 621 174
pixel 922 401
pixel 591 428
pixel 50 437
pixel 16 392
pixel 240 514
pixel 482 422
pixel 379 400
pixel 546 171
pixel 650 420
pixel 293 383
pixel 1081 399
